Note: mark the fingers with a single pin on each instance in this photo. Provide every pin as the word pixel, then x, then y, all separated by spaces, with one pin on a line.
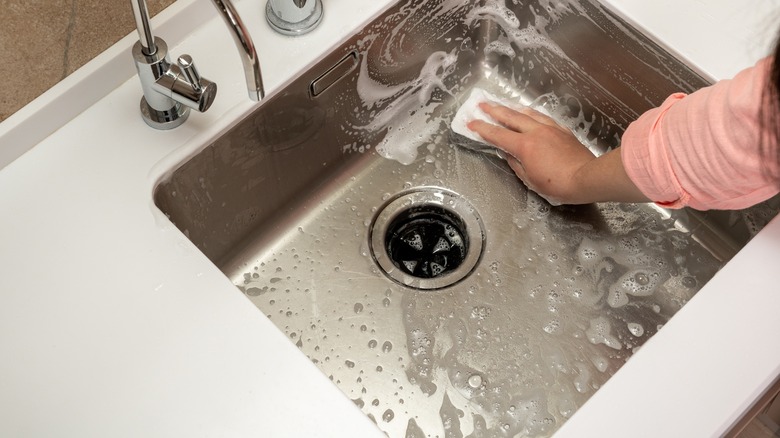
pixel 539 117
pixel 500 137
pixel 507 140
pixel 508 117
pixel 518 167
pixel 508 135
pixel 521 120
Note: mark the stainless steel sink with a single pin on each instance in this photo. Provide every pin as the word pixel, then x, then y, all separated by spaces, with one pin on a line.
pixel 436 291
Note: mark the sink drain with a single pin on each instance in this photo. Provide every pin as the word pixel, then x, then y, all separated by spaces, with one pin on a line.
pixel 426 241
pixel 429 238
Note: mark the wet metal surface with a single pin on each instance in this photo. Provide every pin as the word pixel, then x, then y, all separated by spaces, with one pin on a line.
pixel 559 297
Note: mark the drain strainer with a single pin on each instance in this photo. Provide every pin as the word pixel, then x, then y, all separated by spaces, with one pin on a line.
pixel 428 238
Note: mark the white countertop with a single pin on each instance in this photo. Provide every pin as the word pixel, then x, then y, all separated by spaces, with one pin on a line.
pixel 113 324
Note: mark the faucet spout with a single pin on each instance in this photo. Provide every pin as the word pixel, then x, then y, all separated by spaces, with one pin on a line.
pixel 245 46
pixel 145 36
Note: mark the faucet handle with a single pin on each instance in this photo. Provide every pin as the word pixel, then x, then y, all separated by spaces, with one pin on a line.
pixel 185 85
pixel 190 72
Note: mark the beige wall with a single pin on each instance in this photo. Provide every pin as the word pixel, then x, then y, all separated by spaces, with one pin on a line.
pixel 43 41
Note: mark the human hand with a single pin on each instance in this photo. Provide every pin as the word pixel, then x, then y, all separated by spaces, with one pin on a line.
pixel 545 156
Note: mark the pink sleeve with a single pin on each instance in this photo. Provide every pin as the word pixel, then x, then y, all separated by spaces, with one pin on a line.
pixel 704 150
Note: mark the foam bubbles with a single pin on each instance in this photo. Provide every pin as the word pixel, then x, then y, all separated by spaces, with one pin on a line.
pixel 640 283
pixel 600 332
pixel 582 381
pixel 636 329
pixel 501 48
pixel 405 108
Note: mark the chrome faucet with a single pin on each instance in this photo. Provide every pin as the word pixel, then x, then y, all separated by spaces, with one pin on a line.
pixel 245 46
pixel 170 90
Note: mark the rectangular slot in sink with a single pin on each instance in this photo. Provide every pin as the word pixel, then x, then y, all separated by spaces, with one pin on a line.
pixel 286 201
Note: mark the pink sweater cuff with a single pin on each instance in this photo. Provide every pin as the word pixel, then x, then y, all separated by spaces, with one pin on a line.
pixel 646 161
pixel 707 150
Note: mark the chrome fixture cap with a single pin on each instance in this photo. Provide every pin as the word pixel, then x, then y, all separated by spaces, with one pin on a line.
pixel 293 17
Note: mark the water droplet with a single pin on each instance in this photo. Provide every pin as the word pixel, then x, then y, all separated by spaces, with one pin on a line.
pixel 641 278
pixel 552 326
pixel 689 282
pixel 358 307
pixel 387 346
pixel 255 291
pixel 636 329
pixel 475 381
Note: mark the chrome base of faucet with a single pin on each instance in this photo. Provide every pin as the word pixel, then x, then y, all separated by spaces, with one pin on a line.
pixel 167 119
pixel 170 90
pixel 287 18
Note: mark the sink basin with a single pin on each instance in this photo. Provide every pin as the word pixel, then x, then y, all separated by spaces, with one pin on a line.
pixel 424 279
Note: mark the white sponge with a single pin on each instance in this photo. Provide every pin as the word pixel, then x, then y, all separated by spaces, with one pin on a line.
pixel 471 140
pixel 470 111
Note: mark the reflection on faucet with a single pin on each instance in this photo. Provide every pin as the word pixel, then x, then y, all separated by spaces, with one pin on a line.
pixel 170 90
pixel 246 48
pixel 293 17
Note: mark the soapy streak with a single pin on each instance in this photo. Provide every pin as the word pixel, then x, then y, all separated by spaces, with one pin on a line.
pixel 409 108
pixel 449 6
pixel 528 37
pixel 414 94
pixel 374 94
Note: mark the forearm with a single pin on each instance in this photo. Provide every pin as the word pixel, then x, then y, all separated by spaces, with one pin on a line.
pixel 604 179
